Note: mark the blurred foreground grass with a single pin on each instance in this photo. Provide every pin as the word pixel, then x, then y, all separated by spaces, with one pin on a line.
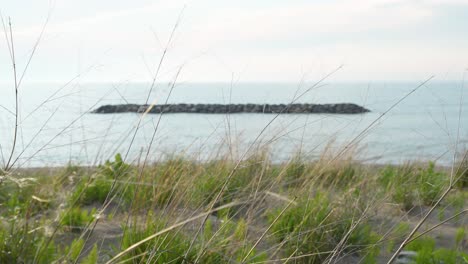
pixel 300 211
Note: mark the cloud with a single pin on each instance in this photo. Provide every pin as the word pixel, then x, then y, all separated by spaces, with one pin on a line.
pixel 115 18
pixel 446 2
pixel 284 22
pixel 266 41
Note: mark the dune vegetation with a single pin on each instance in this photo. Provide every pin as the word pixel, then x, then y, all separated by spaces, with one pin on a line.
pixel 180 210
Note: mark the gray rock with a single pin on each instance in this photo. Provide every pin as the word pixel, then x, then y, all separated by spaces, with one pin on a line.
pixel 406 257
pixel 345 108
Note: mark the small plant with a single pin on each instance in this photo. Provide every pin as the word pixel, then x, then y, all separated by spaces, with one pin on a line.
pixel 313 227
pixel 77 218
pixel 169 248
pixel 336 175
pixel 427 252
pixel 407 184
pixel 242 183
pixel 462 172
pixel 19 244
pixel 229 242
pixel 399 182
pixel 397 234
pixel 441 214
pixel 92 257
pixel 91 191
pixel 98 187
pixel 75 249
pixel 459 237
pixel 115 169
pixel 424 246
pixel 295 171
pixel 163 182
pixel 430 184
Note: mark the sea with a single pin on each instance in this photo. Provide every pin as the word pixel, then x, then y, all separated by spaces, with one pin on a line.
pixel 408 122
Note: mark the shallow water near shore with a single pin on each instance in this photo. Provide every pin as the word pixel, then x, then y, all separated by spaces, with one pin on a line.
pixel 55 125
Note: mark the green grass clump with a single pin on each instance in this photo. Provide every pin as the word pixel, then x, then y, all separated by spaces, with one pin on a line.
pixel 336 176
pixel 77 218
pixel 221 243
pixel 31 196
pixel 19 243
pixel 89 191
pixel 424 246
pixel 295 172
pixel 115 169
pixel 228 243
pixel 92 257
pixel 460 236
pixel 75 253
pixel 164 182
pixel 410 186
pixel 462 172
pixel 398 182
pixel 430 184
pixel 98 187
pixel 428 253
pixel 397 233
pixel 168 248
pixel 251 176
pixel 312 229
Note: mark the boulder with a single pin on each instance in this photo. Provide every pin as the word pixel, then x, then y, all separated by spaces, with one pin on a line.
pixel 344 108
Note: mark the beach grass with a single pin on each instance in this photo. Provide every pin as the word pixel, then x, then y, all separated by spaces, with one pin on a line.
pixel 299 211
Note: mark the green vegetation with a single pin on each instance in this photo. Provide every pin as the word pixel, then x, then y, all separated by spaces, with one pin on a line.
pixel 298 212
pixel 77 218
pixel 314 226
pixel 412 185
pixel 427 252
pixel 462 172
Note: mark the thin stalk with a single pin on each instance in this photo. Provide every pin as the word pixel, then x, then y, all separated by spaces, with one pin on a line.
pixel 13 62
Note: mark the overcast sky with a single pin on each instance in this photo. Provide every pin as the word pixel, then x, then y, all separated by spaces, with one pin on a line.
pixel 254 40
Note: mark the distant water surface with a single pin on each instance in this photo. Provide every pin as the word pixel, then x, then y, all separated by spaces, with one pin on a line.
pixel 55 127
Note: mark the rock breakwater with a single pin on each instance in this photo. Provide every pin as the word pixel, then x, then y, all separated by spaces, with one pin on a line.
pixel 342 108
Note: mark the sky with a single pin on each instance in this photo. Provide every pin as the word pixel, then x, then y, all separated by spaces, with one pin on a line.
pixel 242 40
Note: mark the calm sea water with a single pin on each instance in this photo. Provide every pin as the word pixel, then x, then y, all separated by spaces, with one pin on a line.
pixel 55 127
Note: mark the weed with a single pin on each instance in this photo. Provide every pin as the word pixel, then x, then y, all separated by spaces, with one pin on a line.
pixel 462 171
pixel 75 249
pixel 459 236
pixel 228 243
pixel 398 182
pixel 430 184
pixel 19 243
pixel 91 191
pixel 169 248
pixel 427 252
pixel 77 218
pixel 115 169
pixel 410 186
pixel 92 257
pixel 313 228
pixel 295 172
